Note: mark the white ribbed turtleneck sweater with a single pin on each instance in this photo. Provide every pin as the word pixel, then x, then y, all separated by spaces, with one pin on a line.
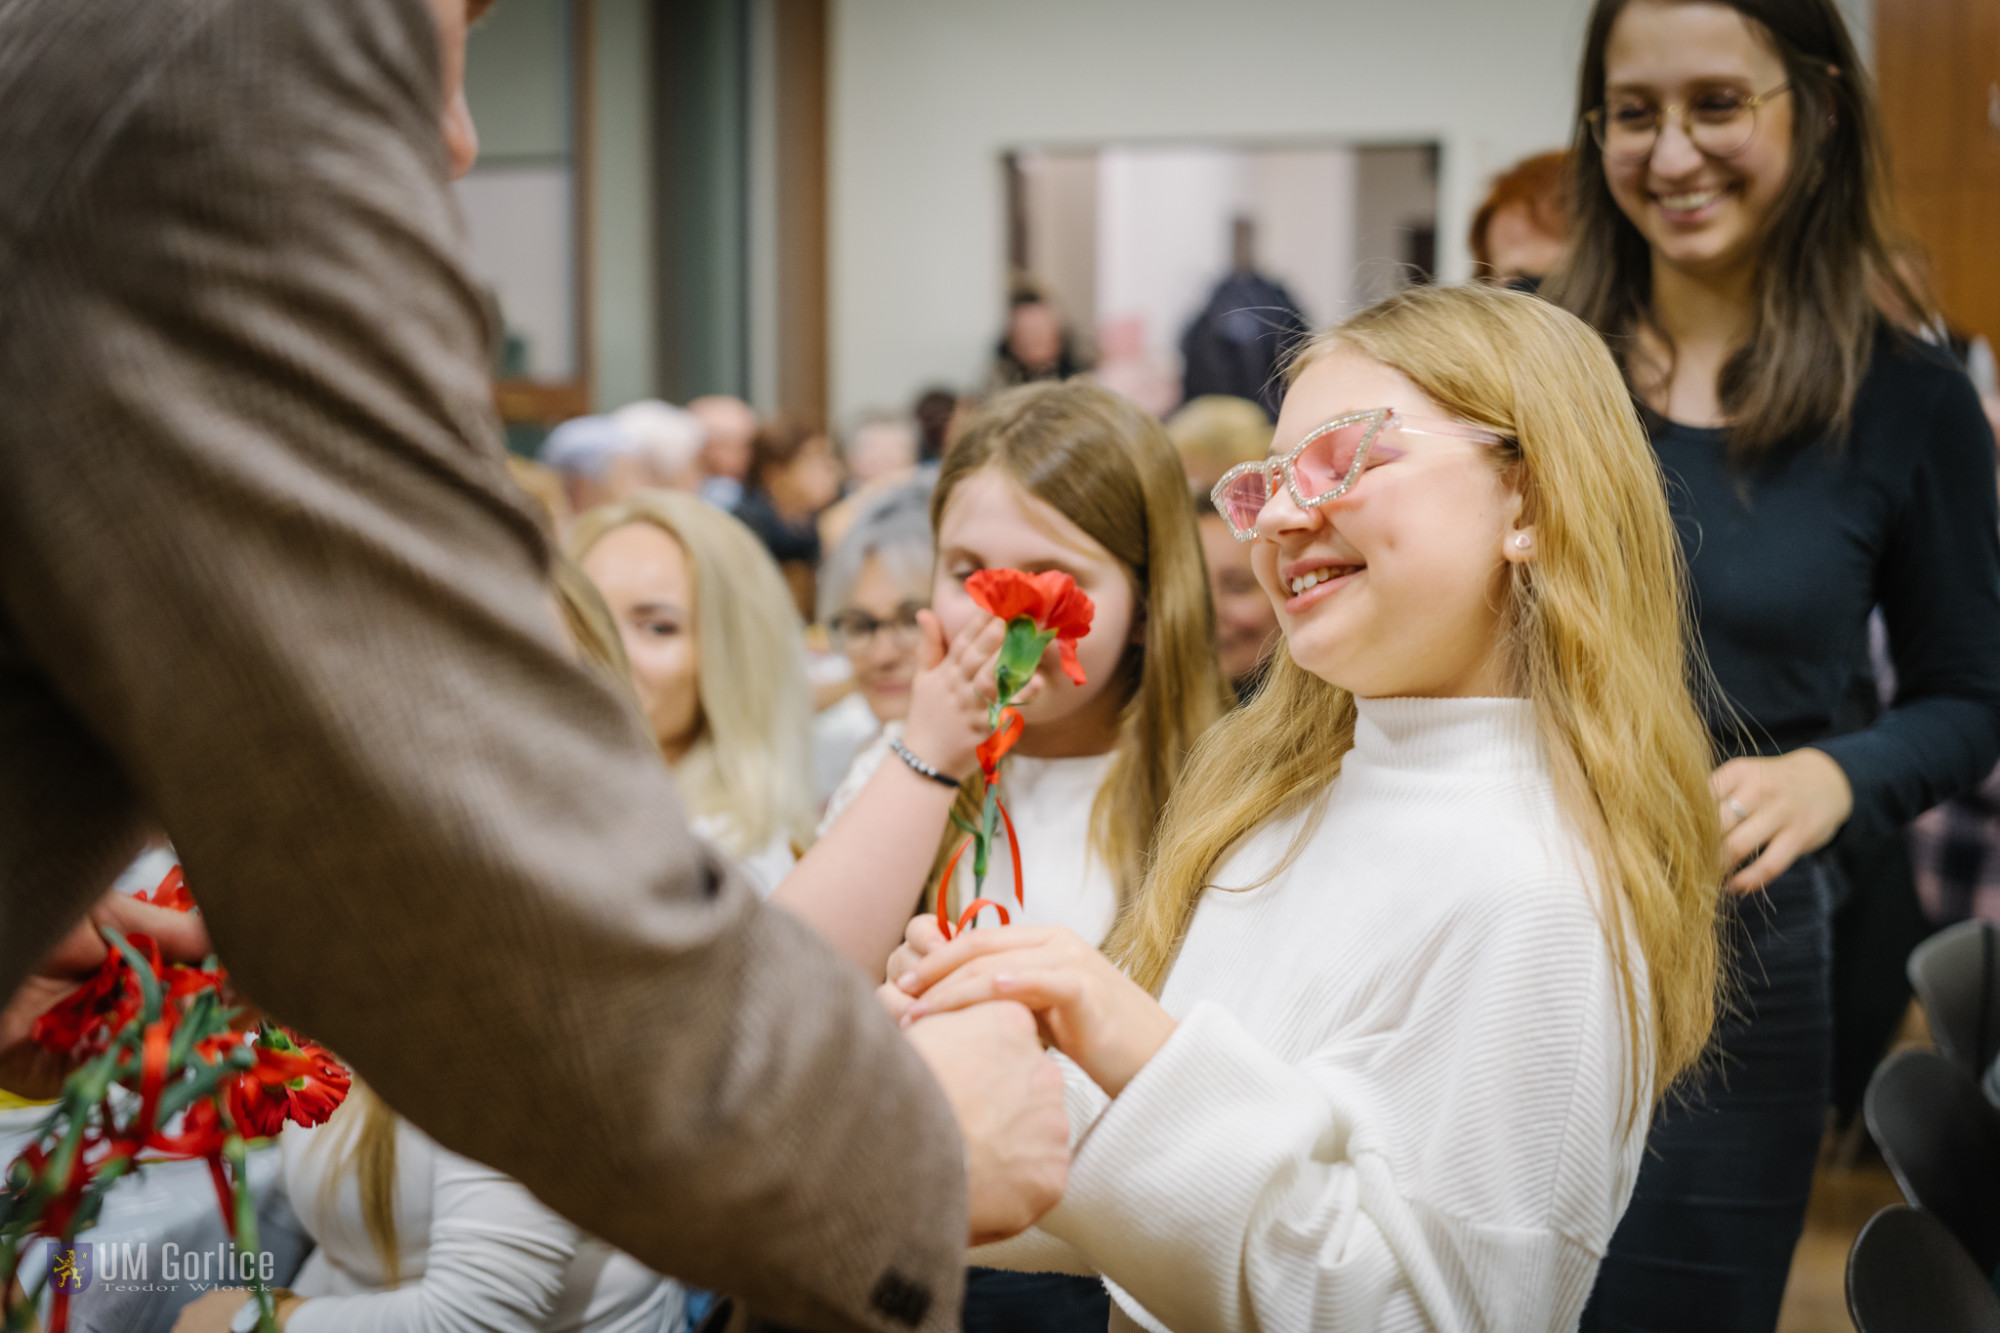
pixel 1396 1098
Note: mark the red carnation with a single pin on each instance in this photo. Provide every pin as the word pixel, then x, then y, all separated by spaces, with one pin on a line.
pixel 293 1079
pixel 1050 599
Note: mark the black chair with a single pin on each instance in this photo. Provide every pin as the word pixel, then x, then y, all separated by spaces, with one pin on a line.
pixel 1942 1141
pixel 1956 974
pixel 1907 1274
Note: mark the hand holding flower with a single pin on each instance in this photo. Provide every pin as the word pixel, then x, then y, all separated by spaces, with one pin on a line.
pixel 164 1031
pixel 949 713
pixel 29 1069
pixel 1087 1008
pixel 1040 611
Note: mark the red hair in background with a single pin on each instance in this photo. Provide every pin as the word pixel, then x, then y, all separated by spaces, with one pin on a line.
pixel 1541 185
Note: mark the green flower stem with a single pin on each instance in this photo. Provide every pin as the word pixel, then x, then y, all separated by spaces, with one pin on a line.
pixel 246 1233
pixel 1020 654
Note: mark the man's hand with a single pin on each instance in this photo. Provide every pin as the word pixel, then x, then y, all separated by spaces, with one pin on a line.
pixel 26 1070
pixel 1008 1098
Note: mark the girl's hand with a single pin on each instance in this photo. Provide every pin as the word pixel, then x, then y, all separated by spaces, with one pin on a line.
pixel 1786 807
pixel 1088 1009
pixel 953 687
pixel 920 938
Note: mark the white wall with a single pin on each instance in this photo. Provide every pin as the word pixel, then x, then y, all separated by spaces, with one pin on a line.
pixel 927 94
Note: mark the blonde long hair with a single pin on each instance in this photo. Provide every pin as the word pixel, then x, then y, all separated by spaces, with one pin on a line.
pixel 1599 630
pixel 360 1138
pixel 751 764
pixel 1106 466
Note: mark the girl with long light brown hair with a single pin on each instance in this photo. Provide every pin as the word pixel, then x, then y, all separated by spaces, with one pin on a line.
pixel 1432 921
pixel 1046 476
pixel 1062 477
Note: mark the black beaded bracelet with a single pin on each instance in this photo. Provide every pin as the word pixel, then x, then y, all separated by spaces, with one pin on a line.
pixel 920 768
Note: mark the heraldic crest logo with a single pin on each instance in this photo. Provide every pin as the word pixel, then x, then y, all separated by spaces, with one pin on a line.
pixel 70 1268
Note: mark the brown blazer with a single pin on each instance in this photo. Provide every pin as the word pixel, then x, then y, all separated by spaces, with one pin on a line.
pixel 263 579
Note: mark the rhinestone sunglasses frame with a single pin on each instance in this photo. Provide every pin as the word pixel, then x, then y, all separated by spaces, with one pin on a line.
pixel 1379 419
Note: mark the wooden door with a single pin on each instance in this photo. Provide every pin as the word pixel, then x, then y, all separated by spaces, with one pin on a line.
pixel 1938 67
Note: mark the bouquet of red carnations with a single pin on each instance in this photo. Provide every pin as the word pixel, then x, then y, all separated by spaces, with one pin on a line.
pixel 167 1034
pixel 1039 609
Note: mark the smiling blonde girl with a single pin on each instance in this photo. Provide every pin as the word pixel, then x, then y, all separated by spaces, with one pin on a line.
pixel 1432 922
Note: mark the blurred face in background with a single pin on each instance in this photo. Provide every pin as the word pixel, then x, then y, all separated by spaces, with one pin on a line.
pixel 1246 623
pixel 881 449
pixel 878 631
pixel 1034 335
pixel 807 484
pixel 1520 248
pixel 1702 214
pixel 730 425
pixel 648 583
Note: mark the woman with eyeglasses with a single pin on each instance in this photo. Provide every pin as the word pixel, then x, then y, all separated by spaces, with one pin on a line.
pixel 870 591
pixel 1728 223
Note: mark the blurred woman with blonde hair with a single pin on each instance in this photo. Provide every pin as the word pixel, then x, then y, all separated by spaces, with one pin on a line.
pixel 718 662
pixel 1432 921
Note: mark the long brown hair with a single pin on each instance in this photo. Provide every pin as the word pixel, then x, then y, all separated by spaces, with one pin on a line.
pixel 1107 467
pixel 1802 362
pixel 1598 630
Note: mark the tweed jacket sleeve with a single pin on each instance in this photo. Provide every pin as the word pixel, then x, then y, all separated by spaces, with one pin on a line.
pixel 263 579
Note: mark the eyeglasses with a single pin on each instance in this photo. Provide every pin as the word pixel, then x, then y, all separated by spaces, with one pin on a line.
pixel 855 629
pixel 1326 463
pixel 1720 122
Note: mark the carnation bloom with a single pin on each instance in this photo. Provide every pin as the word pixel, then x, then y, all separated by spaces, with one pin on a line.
pixel 1051 600
pixel 293 1079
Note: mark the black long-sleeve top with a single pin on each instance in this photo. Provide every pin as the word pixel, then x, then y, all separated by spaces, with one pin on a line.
pixel 1788 556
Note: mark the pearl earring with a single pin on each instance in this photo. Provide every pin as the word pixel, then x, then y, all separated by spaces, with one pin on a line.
pixel 1522 541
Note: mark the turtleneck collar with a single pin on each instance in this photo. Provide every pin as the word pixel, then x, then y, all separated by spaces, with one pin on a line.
pixel 1447 735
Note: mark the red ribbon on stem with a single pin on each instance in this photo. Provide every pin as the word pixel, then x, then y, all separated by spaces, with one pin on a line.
pixel 1039 609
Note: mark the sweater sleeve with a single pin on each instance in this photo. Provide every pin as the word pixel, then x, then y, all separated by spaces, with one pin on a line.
pixel 1459 1166
pixel 1940 598
pixel 496 1263
pixel 1035 1250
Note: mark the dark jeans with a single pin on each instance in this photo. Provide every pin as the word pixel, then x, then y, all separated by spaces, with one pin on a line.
pixel 1001 1302
pixel 1721 1199
pixel 996 1301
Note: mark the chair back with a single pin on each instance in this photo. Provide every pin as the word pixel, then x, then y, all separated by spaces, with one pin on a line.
pixel 1956 974
pixel 1908 1274
pixel 1942 1141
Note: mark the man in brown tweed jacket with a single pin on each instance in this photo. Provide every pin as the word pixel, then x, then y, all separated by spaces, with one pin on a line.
pixel 263 581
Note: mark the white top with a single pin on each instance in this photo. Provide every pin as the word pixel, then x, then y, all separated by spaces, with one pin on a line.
pixel 476 1252
pixel 765 868
pixel 1063 882
pixel 1397 1097
pixel 839 733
